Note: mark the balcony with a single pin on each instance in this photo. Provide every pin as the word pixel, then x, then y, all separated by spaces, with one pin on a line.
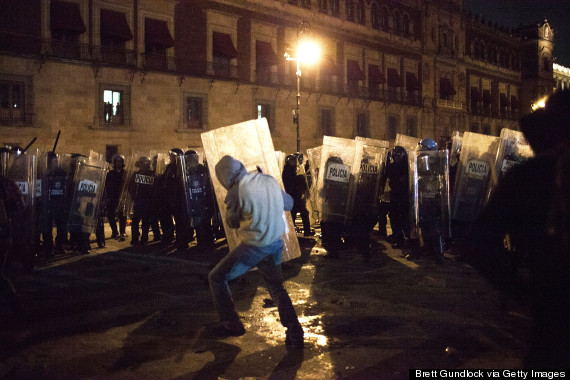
pixel 158 62
pixel 266 76
pixel 115 57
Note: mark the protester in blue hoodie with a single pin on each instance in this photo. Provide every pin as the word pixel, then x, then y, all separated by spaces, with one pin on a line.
pixel 254 205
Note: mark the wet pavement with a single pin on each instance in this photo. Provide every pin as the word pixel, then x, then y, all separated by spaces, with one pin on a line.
pixel 139 312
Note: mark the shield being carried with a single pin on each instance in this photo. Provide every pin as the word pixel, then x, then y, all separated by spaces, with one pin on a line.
pixel 336 179
pixel 314 158
pixel 371 161
pixel 430 193
pixel 21 170
pixel 88 184
pixel 249 142
pixel 513 150
pixel 478 156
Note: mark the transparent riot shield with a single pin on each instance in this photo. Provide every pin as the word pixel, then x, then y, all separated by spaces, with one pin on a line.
pixel 478 155
pixel 371 161
pixel 335 185
pixel 88 185
pixel 158 161
pixel 125 205
pixel 409 143
pixel 22 171
pixel 198 191
pixel 280 158
pixel 430 206
pixel 513 150
pixel 249 142
pixel 314 158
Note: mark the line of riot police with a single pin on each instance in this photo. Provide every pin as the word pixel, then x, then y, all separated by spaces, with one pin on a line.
pixel 427 208
pixel 70 195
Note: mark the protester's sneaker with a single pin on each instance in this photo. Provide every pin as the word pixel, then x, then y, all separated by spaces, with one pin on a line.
pixel 122 237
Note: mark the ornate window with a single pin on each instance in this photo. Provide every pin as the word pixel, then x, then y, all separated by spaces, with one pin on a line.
pixel 360 12
pixel 350 10
pixel 375 16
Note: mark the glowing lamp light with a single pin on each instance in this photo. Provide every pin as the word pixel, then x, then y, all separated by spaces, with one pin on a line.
pixel 308 52
pixel 539 104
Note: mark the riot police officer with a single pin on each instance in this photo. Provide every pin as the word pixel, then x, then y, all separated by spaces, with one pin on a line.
pixel 173 185
pixel 141 190
pixel 430 193
pixel 398 181
pixel 111 197
pixel 296 186
pixel 200 199
pixel 56 205
pixel 11 207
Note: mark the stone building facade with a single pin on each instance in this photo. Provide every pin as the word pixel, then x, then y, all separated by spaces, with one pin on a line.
pixel 561 77
pixel 136 75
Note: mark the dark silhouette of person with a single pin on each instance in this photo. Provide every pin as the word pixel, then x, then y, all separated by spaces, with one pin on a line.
pixel 398 180
pixel 296 186
pixel 530 203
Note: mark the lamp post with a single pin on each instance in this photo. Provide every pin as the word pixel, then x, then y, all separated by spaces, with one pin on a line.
pixel 307 51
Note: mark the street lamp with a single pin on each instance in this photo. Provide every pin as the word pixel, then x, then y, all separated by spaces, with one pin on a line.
pixel 307 52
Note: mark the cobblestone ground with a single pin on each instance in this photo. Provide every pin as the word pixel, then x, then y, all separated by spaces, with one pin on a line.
pixel 139 312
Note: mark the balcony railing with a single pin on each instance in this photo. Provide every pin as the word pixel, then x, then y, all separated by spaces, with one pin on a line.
pixel 160 62
pixel 15 116
pixel 266 76
pixel 118 57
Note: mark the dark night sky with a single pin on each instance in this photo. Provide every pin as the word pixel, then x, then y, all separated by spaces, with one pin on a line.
pixel 512 13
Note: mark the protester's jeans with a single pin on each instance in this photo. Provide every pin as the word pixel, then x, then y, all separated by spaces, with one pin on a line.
pixel 239 261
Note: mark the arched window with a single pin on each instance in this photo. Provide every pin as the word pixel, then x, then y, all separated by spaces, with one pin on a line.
pixel 350 10
pixel 482 51
pixel 397 23
pixel 444 39
pixel 360 13
pixel 375 16
pixel 384 19
pixel 406 25
pixel 335 8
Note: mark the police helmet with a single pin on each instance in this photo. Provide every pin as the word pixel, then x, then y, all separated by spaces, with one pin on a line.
pixel 427 144
pixel 192 157
pixel 117 157
pixel 290 158
pixel 399 151
pixel 176 152
pixel 143 162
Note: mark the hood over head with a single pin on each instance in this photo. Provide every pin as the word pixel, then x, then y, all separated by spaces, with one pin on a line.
pixel 229 171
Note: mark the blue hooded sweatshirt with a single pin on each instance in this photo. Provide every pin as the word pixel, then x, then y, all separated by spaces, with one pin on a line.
pixel 254 203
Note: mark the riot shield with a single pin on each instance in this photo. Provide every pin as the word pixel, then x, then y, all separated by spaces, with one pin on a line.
pixel 513 150
pixel 198 191
pixel 335 185
pixel 22 171
pixel 125 205
pixel 371 160
pixel 88 185
pixel 249 142
pixel 478 155
pixel 280 158
pixel 314 158
pixel 429 191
